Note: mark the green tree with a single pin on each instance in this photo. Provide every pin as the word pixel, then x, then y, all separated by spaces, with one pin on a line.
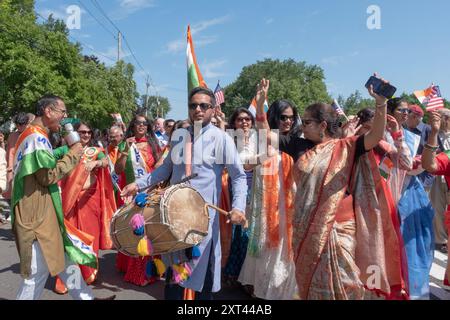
pixel 301 83
pixel 355 102
pixel 157 106
pixel 39 58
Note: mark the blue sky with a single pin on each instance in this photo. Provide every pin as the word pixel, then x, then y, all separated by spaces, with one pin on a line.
pixel 411 49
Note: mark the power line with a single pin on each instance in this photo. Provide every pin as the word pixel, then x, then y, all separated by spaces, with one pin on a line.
pixel 99 22
pixel 97 5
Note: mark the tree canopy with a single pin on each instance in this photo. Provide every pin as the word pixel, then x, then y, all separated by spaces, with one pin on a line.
pixel 296 81
pixel 39 58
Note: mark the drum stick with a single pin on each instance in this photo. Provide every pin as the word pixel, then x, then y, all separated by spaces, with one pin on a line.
pixel 228 214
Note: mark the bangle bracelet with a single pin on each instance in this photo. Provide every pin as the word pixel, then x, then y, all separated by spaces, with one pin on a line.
pixel 384 105
pixel 261 117
pixel 430 147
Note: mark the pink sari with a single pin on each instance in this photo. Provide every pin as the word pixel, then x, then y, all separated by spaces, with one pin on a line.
pixel 343 244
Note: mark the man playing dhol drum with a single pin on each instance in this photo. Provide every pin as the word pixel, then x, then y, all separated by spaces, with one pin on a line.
pixel 206 151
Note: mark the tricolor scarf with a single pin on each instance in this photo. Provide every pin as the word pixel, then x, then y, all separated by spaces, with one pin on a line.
pixel 34 152
pixel 138 163
pixel 264 230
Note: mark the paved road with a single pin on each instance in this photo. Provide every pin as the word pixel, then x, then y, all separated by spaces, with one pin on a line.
pixel 110 281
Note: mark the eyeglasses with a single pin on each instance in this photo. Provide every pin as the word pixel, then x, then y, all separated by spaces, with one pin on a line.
pixel 203 106
pixel 246 119
pixel 286 118
pixel 403 110
pixel 88 132
pixel 141 123
pixel 63 112
pixel 307 122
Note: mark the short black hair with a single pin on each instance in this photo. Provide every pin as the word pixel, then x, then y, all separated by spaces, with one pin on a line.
pixel 20 119
pixel 45 101
pixel 236 113
pixel 205 91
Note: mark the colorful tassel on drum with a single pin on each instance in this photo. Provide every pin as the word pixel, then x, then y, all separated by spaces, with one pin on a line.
pixel 144 247
pixel 137 222
pixel 180 272
pixel 141 200
pixel 196 252
pixel 160 266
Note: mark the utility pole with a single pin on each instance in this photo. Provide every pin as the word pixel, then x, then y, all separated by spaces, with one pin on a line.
pixel 146 96
pixel 119 45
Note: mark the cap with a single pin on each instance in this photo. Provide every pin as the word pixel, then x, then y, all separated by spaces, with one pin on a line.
pixel 414 108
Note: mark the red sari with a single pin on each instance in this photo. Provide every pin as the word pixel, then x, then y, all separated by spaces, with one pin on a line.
pixel 90 206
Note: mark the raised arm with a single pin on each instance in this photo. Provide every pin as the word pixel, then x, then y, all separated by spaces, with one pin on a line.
pixel 379 122
pixel 430 148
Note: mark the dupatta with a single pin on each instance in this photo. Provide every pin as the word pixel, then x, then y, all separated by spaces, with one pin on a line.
pixel 338 260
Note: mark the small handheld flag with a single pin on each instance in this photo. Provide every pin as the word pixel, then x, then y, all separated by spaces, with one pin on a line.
pixel 338 109
pixel 218 93
pixel 431 98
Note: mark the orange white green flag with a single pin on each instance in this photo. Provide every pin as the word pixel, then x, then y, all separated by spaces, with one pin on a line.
pixel 194 77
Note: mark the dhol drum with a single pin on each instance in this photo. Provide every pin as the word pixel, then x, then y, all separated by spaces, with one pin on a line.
pixel 175 220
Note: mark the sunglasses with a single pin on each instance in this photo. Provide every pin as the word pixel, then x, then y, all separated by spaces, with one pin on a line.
pixel 89 132
pixel 141 123
pixel 203 106
pixel 240 119
pixel 286 118
pixel 403 110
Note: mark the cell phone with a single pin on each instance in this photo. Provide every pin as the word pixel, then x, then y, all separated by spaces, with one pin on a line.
pixel 379 87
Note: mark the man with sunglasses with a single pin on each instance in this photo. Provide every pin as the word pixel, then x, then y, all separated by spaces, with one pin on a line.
pixel 204 148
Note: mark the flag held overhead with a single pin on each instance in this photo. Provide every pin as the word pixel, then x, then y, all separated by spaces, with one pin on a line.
pixel 194 77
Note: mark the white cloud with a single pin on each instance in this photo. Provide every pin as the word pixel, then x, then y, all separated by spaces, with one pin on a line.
pixel 134 5
pixel 203 25
pixel 176 46
pixel 209 69
pixel 179 45
pixel 270 21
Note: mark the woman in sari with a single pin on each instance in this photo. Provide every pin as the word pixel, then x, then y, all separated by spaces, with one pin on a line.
pixel 343 238
pixel 415 210
pixel 439 165
pixel 268 265
pixel 88 198
pixel 138 156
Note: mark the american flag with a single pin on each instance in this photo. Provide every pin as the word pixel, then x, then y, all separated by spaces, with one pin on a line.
pixel 434 101
pixel 338 108
pixel 218 93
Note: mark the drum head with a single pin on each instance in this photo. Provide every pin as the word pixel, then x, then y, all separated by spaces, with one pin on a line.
pixel 185 210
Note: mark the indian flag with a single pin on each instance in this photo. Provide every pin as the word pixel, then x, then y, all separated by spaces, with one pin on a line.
pixel 34 152
pixel 385 167
pixel 252 107
pixel 194 76
pixel 423 95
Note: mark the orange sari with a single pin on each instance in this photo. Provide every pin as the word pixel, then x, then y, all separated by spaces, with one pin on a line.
pixel 343 246
pixel 90 209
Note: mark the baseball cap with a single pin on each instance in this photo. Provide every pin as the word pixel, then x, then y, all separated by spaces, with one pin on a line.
pixel 414 108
